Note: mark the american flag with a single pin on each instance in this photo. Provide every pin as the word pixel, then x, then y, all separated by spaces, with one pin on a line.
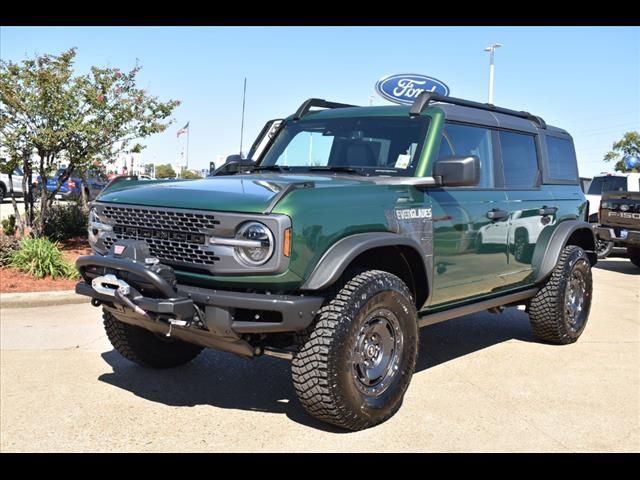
pixel 183 130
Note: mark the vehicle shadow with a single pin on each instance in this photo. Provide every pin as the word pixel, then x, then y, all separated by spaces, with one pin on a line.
pixel 264 384
pixel 618 265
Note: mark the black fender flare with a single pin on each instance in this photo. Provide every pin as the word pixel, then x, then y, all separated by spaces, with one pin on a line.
pixel 335 260
pixel 551 242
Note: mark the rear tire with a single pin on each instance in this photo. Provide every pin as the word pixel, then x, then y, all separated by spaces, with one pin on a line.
pixel 634 255
pixel 355 366
pixel 560 310
pixel 147 348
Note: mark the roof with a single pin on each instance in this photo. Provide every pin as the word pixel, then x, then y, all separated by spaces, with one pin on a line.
pixel 452 112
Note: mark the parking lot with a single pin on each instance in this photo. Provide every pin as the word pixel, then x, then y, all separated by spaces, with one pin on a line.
pixel 482 384
pixel 6 207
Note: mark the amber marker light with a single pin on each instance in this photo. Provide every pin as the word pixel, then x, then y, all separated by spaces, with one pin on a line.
pixel 286 245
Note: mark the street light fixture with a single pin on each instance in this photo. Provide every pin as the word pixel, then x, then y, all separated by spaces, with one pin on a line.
pixel 491 49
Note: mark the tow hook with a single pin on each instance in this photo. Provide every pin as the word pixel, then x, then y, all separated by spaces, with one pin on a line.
pixel 122 298
pixel 174 321
pixel 105 284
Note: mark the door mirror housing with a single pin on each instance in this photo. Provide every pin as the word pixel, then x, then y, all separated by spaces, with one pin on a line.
pixel 458 171
pixel 233 165
pixel 233 158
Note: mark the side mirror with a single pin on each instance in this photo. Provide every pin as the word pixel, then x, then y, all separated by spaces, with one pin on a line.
pixel 231 167
pixel 233 158
pixel 458 171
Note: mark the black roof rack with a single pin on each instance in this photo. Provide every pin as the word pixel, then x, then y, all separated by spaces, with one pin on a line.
pixel 422 102
pixel 316 102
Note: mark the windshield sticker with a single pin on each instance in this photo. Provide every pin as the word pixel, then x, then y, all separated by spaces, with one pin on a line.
pixel 403 160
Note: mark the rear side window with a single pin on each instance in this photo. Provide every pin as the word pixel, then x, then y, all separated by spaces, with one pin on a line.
pixel 611 183
pixel 562 159
pixel 466 140
pixel 519 160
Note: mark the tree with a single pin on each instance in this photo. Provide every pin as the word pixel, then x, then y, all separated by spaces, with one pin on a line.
pixel 629 144
pixel 165 171
pixel 78 118
pixel 190 175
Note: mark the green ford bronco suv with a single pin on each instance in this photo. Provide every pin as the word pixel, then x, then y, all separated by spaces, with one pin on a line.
pixel 351 228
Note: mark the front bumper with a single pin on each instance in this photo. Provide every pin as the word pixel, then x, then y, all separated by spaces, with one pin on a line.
pixel 608 234
pixel 212 318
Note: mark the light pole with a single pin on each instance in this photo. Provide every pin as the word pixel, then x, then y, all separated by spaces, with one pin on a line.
pixel 491 49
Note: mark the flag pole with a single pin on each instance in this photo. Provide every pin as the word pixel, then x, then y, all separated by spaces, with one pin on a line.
pixel 187 160
pixel 244 96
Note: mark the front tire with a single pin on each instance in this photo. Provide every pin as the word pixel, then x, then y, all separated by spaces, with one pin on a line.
pixel 147 348
pixel 560 310
pixel 603 248
pixel 634 255
pixel 356 365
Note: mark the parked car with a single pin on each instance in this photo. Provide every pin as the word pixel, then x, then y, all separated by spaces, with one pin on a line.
pixel 72 188
pixel 16 181
pixel 354 227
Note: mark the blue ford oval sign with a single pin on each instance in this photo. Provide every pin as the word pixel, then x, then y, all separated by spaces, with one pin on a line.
pixel 405 87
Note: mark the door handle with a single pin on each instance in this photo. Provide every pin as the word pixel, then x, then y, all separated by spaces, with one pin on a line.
pixel 544 211
pixel 497 214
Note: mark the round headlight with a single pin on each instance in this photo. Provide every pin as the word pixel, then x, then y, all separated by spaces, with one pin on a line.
pixel 260 243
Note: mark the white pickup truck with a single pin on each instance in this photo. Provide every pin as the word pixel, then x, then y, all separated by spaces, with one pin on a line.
pixel 16 180
pixel 609 182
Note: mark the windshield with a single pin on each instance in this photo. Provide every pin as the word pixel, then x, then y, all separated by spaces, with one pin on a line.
pixel 367 145
pixel 607 184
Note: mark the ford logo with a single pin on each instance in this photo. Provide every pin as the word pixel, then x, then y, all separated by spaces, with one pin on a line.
pixel 405 87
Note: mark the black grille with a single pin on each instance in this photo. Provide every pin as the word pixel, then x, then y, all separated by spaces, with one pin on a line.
pixel 172 236
pixel 173 221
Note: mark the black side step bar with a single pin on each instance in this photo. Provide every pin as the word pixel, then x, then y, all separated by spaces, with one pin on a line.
pixel 316 102
pixel 423 100
pixel 431 318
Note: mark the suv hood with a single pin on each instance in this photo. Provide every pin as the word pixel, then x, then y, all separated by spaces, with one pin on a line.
pixel 237 193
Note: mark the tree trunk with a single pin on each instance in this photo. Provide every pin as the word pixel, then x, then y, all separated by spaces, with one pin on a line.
pixel 44 194
pixel 83 190
pixel 28 198
pixel 16 212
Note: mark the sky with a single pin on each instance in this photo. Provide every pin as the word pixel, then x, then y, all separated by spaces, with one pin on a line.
pixel 583 79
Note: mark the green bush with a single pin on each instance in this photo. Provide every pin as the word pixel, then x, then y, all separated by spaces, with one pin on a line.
pixel 40 257
pixel 8 245
pixel 9 225
pixel 66 221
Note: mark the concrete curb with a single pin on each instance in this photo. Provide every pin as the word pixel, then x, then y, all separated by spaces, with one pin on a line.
pixel 40 299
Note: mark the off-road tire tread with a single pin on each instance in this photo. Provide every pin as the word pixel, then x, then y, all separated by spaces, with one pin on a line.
pixel 144 348
pixel 546 309
pixel 310 366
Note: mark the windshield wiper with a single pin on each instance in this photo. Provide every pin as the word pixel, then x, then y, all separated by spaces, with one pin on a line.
pixel 271 168
pixel 337 169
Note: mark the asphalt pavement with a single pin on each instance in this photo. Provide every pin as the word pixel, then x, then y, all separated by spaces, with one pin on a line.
pixel 482 384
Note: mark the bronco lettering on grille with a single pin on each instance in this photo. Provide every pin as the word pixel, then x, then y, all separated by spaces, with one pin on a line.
pixel 141 233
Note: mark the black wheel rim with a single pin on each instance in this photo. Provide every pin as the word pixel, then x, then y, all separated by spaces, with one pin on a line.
pixel 377 352
pixel 576 298
pixel 601 247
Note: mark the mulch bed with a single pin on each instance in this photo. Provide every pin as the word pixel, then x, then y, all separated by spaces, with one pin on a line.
pixel 13 281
